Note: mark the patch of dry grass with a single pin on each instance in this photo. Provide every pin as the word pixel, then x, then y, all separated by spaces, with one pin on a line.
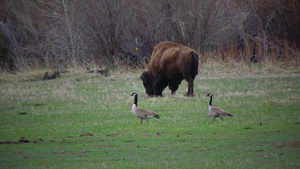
pixel 208 70
pixel 215 70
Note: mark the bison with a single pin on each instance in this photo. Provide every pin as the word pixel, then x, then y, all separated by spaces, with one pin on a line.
pixel 170 63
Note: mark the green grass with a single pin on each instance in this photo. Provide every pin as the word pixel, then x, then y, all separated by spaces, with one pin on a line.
pixel 59 111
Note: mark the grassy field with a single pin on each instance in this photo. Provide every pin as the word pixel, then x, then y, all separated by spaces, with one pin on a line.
pixel 85 121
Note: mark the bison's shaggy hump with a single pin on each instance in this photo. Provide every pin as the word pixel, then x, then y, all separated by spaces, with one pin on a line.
pixel 170 64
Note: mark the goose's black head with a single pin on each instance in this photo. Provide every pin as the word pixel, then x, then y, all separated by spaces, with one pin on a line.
pixel 133 94
pixel 208 95
pixel 135 98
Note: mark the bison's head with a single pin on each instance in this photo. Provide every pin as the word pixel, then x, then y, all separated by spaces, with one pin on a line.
pixel 147 82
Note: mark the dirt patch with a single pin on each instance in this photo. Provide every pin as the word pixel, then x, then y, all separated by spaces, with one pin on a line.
pixel 188 133
pixel 22 113
pixel 69 153
pixel 284 144
pixel 9 142
pixel 86 134
pixel 22 140
pixel 37 140
pixel 130 141
pixel 113 135
pixel 82 135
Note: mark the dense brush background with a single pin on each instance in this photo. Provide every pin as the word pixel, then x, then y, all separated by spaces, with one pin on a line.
pixel 60 34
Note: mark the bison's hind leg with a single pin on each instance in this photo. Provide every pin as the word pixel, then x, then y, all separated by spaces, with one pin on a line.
pixel 189 77
pixel 190 80
pixel 190 87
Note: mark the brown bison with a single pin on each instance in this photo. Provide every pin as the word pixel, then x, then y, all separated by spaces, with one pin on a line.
pixel 170 64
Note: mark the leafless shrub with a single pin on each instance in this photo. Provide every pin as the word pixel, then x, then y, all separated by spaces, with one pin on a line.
pixel 98 33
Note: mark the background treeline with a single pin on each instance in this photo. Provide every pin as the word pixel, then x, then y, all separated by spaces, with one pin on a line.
pixel 56 34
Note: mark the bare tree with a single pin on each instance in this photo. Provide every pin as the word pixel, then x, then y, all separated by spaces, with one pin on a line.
pixel 60 33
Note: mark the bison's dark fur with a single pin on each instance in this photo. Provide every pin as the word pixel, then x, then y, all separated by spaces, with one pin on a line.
pixel 170 64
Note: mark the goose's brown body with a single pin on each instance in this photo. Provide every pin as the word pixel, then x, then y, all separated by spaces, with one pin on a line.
pixel 216 111
pixel 140 113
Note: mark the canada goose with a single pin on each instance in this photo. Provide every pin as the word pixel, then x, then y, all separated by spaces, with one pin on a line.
pixel 142 114
pixel 216 111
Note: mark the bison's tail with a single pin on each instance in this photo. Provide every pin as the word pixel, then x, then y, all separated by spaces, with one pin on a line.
pixel 195 64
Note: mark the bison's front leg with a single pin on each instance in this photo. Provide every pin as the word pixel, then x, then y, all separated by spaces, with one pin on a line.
pixel 159 85
pixel 173 86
